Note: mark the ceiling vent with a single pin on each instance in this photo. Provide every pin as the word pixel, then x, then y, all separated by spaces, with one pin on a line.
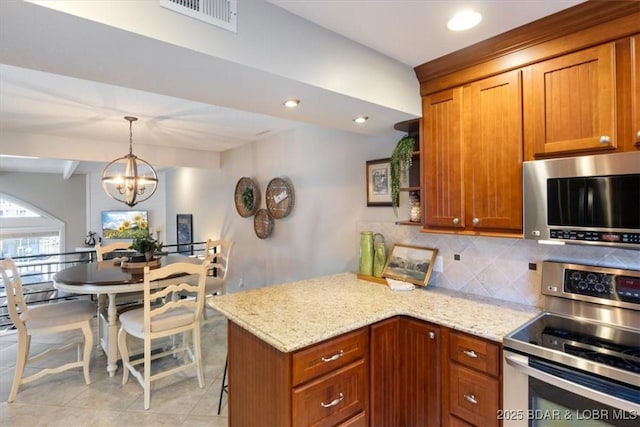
pixel 221 13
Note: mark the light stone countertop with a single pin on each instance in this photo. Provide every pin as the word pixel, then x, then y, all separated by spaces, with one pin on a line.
pixel 295 315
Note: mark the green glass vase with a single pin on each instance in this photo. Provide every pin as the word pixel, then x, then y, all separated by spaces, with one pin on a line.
pixel 366 253
pixel 379 254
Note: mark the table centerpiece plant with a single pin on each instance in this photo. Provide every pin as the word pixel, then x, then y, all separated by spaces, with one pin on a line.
pixel 147 246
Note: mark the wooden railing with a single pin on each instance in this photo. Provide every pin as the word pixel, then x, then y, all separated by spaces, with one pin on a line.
pixel 37 271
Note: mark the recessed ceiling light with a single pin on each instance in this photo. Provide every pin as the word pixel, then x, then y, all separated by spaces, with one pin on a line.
pixel 361 119
pixel 291 103
pixel 464 20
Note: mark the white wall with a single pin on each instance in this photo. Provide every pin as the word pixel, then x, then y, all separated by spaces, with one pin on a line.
pixel 327 170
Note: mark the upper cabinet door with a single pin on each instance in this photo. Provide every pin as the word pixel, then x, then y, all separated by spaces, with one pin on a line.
pixel 442 159
pixel 570 103
pixel 492 138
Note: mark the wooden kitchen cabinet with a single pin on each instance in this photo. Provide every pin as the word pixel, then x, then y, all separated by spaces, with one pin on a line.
pixel 385 356
pixel 420 373
pixel 473 164
pixel 405 373
pixel 473 381
pixel 325 384
pixel 570 103
pixel 443 200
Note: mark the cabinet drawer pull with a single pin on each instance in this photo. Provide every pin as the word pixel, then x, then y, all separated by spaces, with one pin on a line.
pixel 472 354
pixel 471 398
pixel 456 221
pixel 475 221
pixel 605 139
pixel 334 402
pixel 336 356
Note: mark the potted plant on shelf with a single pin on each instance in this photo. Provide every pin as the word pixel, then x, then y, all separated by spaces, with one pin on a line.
pixel 400 162
pixel 147 246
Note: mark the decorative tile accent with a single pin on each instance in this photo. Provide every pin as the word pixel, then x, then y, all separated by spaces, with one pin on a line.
pixel 497 267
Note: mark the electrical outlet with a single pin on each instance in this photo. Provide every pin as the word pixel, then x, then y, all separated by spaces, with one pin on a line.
pixel 438 265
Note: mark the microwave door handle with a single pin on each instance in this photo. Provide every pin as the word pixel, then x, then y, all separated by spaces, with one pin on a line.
pixel 589 211
pixel 520 363
pixel 581 206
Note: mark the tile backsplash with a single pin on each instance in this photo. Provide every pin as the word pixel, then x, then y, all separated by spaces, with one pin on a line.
pixel 497 267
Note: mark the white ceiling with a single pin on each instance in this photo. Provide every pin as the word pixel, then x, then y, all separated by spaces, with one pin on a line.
pixel 40 99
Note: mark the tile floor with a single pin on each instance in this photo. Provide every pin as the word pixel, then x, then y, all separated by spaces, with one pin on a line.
pixel 65 400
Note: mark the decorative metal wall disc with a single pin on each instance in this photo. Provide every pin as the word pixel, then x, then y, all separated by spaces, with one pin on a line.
pixel 263 223
pixel 280 198
pixel 247 197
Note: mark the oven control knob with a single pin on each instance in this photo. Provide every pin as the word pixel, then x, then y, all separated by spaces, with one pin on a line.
pixel 599 287
pixel 583 285
pixel 591 278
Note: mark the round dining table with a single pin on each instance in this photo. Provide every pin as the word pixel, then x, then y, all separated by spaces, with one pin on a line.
pixel 111 279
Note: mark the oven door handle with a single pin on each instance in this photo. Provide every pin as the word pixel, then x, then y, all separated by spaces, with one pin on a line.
pixel 521 364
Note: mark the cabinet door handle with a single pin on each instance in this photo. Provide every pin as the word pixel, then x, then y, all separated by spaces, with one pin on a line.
pixel 456 221
pixel 475 221
pixel 638 136
pixel 336 356
pixel 432 335
pixel 605 139
pixel 334 402
pixel 472 354
pixel 471 398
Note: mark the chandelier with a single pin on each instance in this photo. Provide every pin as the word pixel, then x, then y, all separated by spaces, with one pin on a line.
pixel 129 179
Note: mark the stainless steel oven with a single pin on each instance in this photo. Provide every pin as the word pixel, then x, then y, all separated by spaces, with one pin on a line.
pixel 578 362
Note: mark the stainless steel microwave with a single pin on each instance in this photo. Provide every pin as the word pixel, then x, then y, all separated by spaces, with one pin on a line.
pixel 593 200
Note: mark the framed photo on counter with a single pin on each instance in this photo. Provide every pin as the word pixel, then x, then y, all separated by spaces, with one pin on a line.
pixel 411 264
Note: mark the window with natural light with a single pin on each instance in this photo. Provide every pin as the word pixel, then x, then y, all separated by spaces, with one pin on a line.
pixel 26 232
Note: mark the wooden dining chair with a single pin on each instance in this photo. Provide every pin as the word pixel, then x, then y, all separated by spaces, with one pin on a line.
pixel 218 253
pixel 123 299
pixel 101 250
pixel 45 319
pixel 171 317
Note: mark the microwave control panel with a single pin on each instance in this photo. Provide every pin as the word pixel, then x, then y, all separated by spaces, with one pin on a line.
pixel 595 236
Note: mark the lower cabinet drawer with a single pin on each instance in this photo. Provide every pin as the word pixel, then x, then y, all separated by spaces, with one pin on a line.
pixel 333 398
pixel 323 358
pixel 474 397
pixel 359 420
pixel 457 422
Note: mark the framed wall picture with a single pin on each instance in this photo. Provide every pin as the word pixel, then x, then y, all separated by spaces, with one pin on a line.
pixel 411 264
pixel 379 182
pixel 184 229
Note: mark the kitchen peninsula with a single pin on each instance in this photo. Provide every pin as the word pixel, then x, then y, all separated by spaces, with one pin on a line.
pixel 326 349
